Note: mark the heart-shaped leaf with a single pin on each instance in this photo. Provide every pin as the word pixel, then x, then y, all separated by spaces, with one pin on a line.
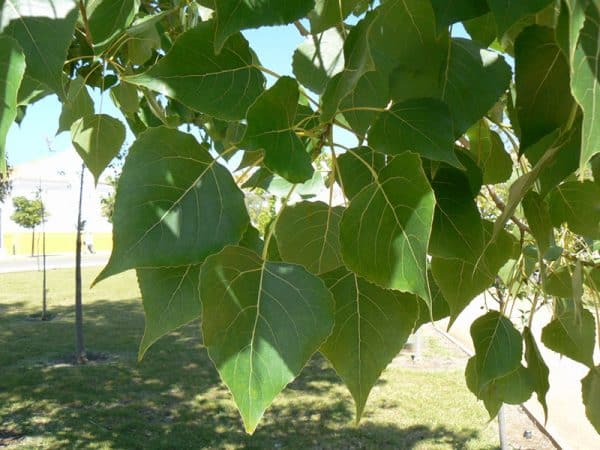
pixel 385 230
pixel 308 234
pixel 371 326
pixel 223 85
pixel 174 205
pixel 261 322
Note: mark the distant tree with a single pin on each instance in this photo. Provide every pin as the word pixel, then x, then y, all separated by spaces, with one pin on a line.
pixel 5 184
pixel 29 214
pixel 107 204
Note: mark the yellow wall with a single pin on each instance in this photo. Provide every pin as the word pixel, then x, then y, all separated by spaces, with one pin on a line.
pixel 55 243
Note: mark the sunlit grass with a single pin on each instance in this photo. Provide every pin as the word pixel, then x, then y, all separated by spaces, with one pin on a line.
pixel 174 398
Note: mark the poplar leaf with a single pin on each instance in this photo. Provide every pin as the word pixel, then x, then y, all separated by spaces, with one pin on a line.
pixel 308 234
pixel 12 68
pixel 175 205
pixel 223 85
pixel 371 327
pixel 384 233
pixel 97 139
pixel 262 321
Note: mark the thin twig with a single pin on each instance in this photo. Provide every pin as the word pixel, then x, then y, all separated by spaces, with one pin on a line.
pixel 502 206
pixel 86 25
pixel 301 29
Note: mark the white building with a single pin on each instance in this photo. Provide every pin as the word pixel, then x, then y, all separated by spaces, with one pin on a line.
pixel 58 178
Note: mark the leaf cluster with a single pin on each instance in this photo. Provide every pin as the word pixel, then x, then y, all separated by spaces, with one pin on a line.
pixel 412 167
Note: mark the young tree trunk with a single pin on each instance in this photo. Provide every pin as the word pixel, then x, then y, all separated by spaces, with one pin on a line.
pixel 44 290
pixel 33 242
pixel 80 355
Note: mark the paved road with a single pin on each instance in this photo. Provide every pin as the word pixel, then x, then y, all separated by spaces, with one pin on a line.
pixel 29 263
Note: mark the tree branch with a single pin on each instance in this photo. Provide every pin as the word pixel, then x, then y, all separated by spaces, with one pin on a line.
pixel 524 228
pixel 86 24
pixel 301 28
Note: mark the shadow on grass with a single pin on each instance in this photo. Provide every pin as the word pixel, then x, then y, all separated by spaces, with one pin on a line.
pixel 172 399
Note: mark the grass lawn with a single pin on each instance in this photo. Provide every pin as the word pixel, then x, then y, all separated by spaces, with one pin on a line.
pixel 174 398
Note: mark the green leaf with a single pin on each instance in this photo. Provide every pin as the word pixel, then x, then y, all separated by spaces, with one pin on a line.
pixel 448 12
pixel 371 327
pixel 358 61
pixel 507 12
pixel 236 15
pixel 98 139
pixel 577 204
pixel 252 240
pixel 262 321
pixel 421 125
pixel 563 164
pixel 498 346
pixel 76 105
pixel 143 38
pixel 384 233
pixel 108 18
pixel 439 308
pixel 592 279
pixel 31 91
pixel 537 368
pixel 171 299
pixel 174 205
pixel 553 144
pixel 576 13
pixel 514 388
pixel 572 335
pixel 458 230
pixel 585 73
pixel 590 389
pixel 355 171
pixel 125 97
pixel 223 85
pixel 362 104
pixel 328 13
pixel 12 68
pixel 595 163
pixel 559 283
pixel 482 29
pixel 475 78
pixel 404 43
pixel 308 234
pixel 462 279
pixel 318 59
pixel 271 128
pixel 544 101
pixel 537 214
pixel 489 153
pixel 44 31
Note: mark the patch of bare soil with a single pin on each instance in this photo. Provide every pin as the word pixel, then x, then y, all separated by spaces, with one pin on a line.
pixel 523 433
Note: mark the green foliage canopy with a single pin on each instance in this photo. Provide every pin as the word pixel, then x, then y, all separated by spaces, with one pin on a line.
pixel 465 174
pixel 28 213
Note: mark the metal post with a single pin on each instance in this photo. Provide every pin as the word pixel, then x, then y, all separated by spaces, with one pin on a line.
pixel 502 429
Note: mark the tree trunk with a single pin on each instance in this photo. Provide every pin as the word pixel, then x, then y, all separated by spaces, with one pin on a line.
pixel 33 242
pixel 80 355
pixel 44 290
